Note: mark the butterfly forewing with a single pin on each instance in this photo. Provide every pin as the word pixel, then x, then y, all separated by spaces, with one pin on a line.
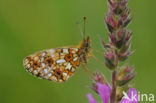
pixel 53 64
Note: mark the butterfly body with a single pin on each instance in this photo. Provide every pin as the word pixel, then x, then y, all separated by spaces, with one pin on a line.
pixel 58 64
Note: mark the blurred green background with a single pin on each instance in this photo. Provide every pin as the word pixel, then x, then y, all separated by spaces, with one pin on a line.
pixel 27 26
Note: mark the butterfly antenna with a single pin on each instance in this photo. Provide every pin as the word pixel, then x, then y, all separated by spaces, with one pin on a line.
pixel 84 18
pixel 80 28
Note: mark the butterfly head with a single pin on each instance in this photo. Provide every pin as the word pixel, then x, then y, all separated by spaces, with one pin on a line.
pixel 85 44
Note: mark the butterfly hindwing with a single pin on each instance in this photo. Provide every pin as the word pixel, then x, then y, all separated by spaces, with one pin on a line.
pixel 53 64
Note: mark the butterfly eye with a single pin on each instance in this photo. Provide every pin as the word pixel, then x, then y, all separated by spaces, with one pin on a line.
pixel 86 44
pixel 58 73
pixel 69 57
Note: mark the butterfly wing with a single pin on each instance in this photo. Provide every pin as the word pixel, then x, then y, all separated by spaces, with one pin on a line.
pixel 53 64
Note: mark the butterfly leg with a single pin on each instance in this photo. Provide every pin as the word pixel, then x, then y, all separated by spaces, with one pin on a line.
pixel 97 51
pixel 93 56
pixel 100 62
pixel 88 71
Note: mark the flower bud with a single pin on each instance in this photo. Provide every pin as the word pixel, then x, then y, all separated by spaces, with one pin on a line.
pixel 110 55
pixel 124 56
pixel 98 78
pixel 118 38
pixel 110 59
pixel 119 93
pixel 125 75
pixel 126 79
pixel 112 24
pixel 126 22
pixel 118 7
pixel 127 43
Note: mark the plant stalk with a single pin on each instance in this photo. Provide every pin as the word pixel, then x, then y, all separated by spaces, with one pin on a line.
pixel 114 87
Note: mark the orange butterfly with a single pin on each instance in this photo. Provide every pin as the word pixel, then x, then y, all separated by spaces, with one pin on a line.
pixel 58 64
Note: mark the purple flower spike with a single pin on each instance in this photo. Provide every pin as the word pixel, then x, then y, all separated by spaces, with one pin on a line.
pixel 104 92
pixel 132 96
pixel 116 51
pixel 90 98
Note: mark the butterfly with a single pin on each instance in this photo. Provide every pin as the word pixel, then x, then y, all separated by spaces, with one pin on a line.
pixel 58 64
